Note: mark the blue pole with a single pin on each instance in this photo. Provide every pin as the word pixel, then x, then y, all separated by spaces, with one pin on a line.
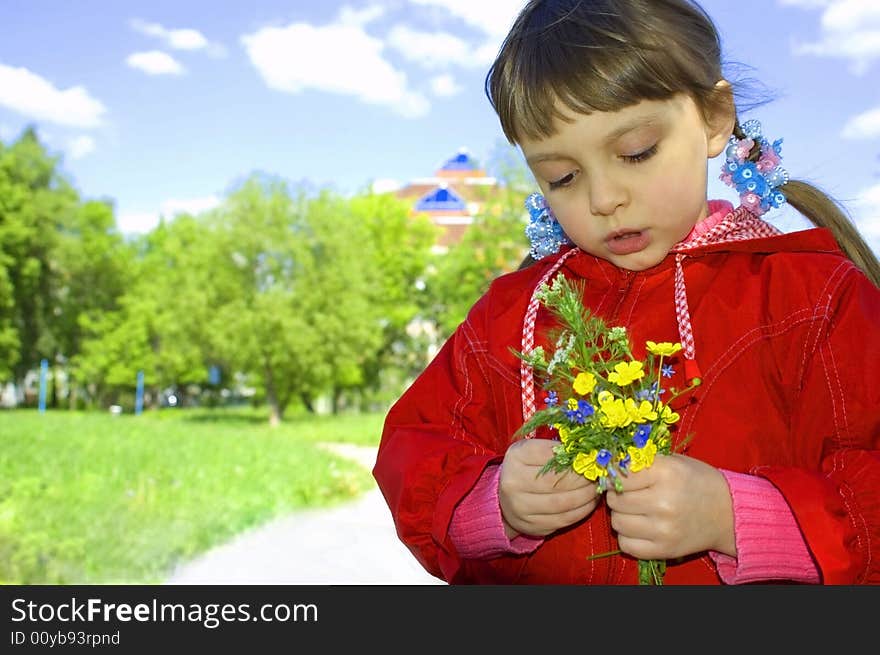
pixel 139 394
pixel 44 368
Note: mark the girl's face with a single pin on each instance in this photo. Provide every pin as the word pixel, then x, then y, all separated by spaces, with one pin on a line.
pixel 628 185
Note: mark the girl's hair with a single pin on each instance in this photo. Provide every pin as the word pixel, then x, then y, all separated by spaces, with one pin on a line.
pixel 605 55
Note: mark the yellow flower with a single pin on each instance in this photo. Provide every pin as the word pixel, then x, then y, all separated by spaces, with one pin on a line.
pixel 640 413
pixel 661 436
pixel 667 415
pixel 564 431
pixel 613 414
pixel 585 464
pixel 626 372
pixel 643 457
pixel 572 403
pixel 665 348
pixel 605 397
pixel 584 383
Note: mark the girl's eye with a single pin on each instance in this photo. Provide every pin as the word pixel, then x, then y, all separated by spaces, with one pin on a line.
pixel 642 156
pixel 561 182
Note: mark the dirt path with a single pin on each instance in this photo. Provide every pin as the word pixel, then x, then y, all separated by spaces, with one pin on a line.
pixel 354 543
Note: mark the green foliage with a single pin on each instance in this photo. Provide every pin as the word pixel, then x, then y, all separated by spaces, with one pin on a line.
pixel 493 245
pixel 400 247
pixel 91 498
pixel 34 201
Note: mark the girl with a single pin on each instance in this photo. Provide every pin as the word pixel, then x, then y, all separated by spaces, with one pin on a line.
pixel 617 105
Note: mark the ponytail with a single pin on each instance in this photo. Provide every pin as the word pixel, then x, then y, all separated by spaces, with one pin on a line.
pixel 822 211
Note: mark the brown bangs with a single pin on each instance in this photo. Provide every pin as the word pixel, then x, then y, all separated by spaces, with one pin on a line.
pixel 596 56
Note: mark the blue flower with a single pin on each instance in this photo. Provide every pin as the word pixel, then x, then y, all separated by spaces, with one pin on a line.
pixel 623 464
pixel 580 415
pixel 667 371
pixel 551 399
pixel 642 433
pixel 603 457
pixel 650 393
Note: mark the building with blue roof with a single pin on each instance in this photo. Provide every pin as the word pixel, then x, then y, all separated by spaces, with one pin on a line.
pixel 456 192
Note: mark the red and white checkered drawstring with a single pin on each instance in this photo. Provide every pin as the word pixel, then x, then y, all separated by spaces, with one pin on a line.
pixel 683 317
pixel 526 373
pixel 739 225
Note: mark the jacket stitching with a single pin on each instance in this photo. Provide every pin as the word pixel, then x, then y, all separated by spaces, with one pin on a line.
pixel 827 295
pixel 841 430
pixel 746 341
pixel 844 491
pixel 632 307
pixel 846 495
pixel 464 400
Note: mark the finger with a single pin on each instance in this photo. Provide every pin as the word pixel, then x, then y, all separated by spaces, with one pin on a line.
pixel 534 452
pixel 633 526
pixel 634 501
pixel 641 548
pixel 565 481
pixel 543 524
pixel 558 503
pixel 638 480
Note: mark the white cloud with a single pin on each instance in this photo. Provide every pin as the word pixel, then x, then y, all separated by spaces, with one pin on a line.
pixel 867 212
pixel 851 15
pixel 805 4
pixel 143 222
pixel 385 185
pixel 337 58
pixel 361 17
pixel 435 50
pixel 850 30
pixel 189 205
pixel 155 62
pixel 445 86
pixel 80 146
pixel 492 17
pixel 178 39
pixel 863 126
pixel 137 222
pixel 31 95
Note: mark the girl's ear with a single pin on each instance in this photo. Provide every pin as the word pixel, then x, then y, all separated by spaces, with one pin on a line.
pixel 720 118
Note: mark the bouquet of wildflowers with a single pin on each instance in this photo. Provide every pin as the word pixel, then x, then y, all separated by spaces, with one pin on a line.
pixel 604 403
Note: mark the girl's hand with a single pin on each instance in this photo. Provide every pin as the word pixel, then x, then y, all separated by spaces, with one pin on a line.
pixel 536 504
pixel 675 507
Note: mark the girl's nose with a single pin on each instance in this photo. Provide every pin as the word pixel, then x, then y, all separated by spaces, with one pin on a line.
pixel 606 194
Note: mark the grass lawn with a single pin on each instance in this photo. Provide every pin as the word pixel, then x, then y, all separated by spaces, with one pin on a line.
pixel 90 498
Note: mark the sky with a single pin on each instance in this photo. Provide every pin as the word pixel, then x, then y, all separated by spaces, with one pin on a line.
pixel 164 106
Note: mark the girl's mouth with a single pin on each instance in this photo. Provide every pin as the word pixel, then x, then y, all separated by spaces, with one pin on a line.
pixel 627 242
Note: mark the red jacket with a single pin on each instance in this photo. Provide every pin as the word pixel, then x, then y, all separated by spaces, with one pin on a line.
pixel 787 338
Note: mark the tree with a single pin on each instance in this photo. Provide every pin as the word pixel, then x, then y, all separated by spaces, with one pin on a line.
pixel 493 244
pixel 292 290
pixel 159 323
pixel 34 200
pixel 91 273
pixel 401 246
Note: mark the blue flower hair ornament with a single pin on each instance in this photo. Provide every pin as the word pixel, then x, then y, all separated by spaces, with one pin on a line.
pixel 757 182
pixel 543 231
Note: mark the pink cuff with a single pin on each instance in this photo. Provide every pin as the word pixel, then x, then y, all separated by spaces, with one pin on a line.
pixel 769 543
pixel 477 529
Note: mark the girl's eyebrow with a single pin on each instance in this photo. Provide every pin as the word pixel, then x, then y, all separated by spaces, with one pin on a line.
pixel 645 120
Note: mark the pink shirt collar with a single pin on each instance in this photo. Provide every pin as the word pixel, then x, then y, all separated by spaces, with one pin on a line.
pixel 718 211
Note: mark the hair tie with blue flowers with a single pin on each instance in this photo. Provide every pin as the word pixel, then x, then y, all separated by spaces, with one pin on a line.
pixel 544 231
pixel 757 182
